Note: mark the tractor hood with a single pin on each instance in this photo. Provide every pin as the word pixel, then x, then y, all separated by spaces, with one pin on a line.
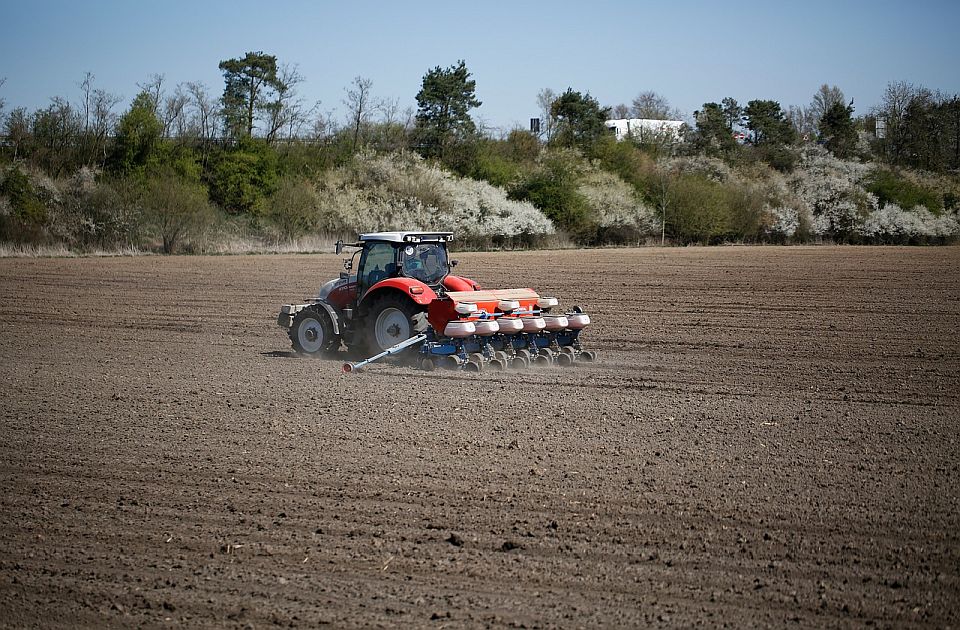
pixel 327 287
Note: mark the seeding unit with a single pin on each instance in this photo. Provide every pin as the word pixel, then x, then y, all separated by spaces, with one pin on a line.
pixel 403 299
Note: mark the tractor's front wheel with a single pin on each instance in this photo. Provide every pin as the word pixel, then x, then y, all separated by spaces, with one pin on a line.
pixel 311 333
pixel 390 320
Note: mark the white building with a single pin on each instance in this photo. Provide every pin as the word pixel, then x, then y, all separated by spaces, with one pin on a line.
pixel 638 127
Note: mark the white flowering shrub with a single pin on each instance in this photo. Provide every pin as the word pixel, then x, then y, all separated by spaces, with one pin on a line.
pixel 892 224
pixel 402 191
pixel 713 169
pixel 784 221
pixel 841 220
pixel 479 208
pixel 823 182
pixel 946 226
pixel 613 202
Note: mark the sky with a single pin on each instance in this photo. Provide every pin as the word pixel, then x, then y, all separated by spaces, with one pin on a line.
pixel 689 52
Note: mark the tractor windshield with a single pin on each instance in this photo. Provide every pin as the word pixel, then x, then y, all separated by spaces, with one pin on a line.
pixel 426 262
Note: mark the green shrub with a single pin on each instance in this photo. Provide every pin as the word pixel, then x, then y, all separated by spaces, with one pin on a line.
pixel 25 203
pixel 747 217
pixel 625 160
pixel 556 197
pixel 299 159
pixel 552 189
pixel 240 179
pixel 138 135
pixel 104 214
pixel 522 146
pixel 293 209
pixel 781 157
pixel 503 162
pixel 697 209
pixel 176 208
pixel 495 169
pixel 182 160
pixel 889 187
pixel 27 217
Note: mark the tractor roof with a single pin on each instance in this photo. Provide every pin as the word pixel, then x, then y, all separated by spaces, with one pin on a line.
pixel 406 237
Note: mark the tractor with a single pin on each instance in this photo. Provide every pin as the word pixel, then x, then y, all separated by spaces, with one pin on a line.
pixel 396 293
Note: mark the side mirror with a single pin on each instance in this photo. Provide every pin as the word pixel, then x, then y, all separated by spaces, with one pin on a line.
pixel 339 246
pixel 454 262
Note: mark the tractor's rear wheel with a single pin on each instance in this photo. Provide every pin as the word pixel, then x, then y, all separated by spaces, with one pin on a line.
pixel 311 333
pixel 391 319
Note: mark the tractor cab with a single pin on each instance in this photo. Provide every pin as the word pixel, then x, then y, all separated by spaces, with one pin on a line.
pixel 419 256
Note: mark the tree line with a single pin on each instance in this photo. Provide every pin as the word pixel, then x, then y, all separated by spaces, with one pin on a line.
pixel 181 156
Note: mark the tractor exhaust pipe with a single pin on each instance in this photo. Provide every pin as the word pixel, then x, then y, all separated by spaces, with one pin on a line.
pixel 349 368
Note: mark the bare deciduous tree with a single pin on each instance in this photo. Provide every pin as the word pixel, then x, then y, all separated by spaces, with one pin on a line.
pixel 286 111
pixel 55 130
pixel 621 111
pixel 826 97
pixel 893 110
pixel 389 110
pixel 173 114
pixel 322 125
pixel 545 99
pixel 154 88
pixel 653 106
pixel 103 122
pixel 358 102
pixel 86 87
pixel 298 118
pixel 203 112
pixel 17 129
pixel 95 113
pixel 803 121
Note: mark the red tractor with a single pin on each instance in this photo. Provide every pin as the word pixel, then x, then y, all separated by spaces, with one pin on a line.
pixel 401 293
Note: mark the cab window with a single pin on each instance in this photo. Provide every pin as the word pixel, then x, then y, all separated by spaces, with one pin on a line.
pixel 426 262
pixel 378 264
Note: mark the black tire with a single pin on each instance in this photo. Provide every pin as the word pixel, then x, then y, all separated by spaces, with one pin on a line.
pixel 521 360
pixel 587 356
pixel 398 318
pixel 449 362
pixel 543 358
pixel 311 333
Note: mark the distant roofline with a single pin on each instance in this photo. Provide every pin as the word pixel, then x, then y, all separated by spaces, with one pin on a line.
pixel 644 120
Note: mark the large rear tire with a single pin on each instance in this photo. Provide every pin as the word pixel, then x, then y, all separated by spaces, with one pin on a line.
pixel 391 319
pixel 311 333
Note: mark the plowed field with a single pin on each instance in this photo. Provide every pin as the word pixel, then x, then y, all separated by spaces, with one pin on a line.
pixel 772 437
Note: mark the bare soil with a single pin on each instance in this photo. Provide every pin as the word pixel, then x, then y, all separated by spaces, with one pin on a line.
pixel 772 438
